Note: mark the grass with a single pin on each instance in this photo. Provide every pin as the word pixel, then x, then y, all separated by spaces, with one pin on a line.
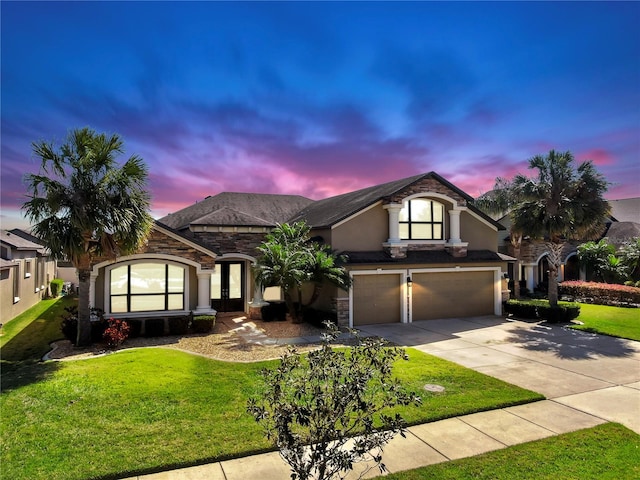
pixel 146 410
pixel 608 451
pixel 27 336
pixel 614 321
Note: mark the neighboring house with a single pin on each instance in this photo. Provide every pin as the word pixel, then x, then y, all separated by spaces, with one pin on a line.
pixel 25 272
pixel 417 249
pixel 623 226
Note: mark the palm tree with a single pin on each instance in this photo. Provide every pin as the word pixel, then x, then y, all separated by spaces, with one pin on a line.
pixel 289 259
pixel 84 205
pixel 559 204
pixel 498 202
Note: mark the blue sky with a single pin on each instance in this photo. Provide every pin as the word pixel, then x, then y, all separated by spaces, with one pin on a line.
pixel 321 98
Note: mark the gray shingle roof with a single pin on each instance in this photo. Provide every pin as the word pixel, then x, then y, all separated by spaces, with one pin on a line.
pixel 626 209
pixel 328 212
pixel 19 243
pixel 238 209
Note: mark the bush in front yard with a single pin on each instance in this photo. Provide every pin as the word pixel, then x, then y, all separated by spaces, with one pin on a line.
pixel 203 323
pixel 540 309
pixel 600 293
pixel 116 332
pixel 154 327
pixel 56 287
pixel 179 325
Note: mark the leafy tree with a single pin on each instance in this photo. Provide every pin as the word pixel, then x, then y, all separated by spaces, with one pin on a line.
pixel 289 258
pixel 500 201
pixel 84 205
pixel 559 204
pixel 328 409
pixel 594 255
pixel 630 257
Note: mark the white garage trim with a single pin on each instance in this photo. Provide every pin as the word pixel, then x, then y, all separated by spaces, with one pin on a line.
pixel 497 283
pixel 404 305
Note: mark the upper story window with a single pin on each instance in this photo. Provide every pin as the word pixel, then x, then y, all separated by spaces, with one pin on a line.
pixel 146 287
pixel 422 219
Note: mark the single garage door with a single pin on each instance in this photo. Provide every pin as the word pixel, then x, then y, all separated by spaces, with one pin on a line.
pixel 376 299
pixel 452 294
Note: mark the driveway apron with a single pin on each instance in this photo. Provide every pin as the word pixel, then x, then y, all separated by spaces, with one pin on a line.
pixel 596 374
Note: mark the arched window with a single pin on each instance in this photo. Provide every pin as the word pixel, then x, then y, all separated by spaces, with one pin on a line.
pixel 422 219
pixel 146 287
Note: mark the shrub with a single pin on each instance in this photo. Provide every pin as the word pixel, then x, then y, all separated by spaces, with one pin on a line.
pixel 116 332
pixel 318 317
pixel 274 312
pixel 135 327
pixel 203 323
pixel 56 287
pixel 154 327
pixel 540 309
pixel 69 325
pixel 327 410
pixel 179 325
pixel 600 293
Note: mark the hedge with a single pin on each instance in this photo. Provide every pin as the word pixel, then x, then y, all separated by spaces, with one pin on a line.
pixel 56 287
pixel 540 309
pixel 600 293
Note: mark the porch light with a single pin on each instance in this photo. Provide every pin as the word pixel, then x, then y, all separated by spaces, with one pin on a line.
pixel 409 281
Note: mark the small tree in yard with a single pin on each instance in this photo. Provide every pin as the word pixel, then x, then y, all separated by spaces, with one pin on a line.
pixel 326 410
pixel 288 258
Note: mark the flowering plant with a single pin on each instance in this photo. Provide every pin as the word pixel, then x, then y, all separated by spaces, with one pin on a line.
pixel 116 332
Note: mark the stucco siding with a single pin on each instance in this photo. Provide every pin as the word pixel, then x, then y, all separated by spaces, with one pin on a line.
pixel 478 234
pixel 364 232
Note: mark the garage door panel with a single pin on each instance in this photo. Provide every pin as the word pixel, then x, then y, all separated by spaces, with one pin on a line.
pixel 376 299
pixel 452 294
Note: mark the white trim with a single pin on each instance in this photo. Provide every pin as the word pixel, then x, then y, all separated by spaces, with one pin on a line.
pixel 107 283
pixel 184 240
pixel 150 256
pixel 569 255
pixel 237 256
pixel 352 216
pixel 381 271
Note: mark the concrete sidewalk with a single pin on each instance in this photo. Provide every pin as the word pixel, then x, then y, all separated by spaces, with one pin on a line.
pixel 588 379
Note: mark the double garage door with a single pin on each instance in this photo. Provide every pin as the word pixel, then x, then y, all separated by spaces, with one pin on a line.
pixel 388 298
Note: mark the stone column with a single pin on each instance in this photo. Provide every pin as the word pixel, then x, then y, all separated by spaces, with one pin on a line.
pixel 454 226
pixel 256 304
pixel 394 219
pixel 204 292
pixel 529 276
pixel 92 291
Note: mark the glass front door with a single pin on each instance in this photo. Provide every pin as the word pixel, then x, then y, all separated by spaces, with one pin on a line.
pixel 227 287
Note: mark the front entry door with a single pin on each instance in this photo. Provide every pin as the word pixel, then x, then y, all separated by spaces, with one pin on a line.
pixel 227 287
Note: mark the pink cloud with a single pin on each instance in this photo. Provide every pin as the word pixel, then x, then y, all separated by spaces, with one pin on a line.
pixel 599 156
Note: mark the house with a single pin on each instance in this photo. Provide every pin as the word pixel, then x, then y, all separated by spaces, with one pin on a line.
pixel 622 226
pixel 25 272
pixel 417 249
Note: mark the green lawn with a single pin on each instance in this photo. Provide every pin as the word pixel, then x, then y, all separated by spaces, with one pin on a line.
pixel 27 336
pixel 614 321
pixel 150 409
pixel 608 451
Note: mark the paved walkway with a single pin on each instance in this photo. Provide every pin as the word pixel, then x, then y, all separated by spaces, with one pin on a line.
pixel 588 379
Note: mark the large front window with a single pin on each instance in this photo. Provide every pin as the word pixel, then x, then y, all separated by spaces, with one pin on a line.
pixel 422 219
pixel 146 287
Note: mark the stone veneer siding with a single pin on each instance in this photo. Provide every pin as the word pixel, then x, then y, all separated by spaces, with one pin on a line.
pixel 159 243
pixel 342 311
pixel 426 186
pixel 230 242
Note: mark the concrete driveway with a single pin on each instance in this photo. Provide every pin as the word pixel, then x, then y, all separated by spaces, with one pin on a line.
pixel 596 374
